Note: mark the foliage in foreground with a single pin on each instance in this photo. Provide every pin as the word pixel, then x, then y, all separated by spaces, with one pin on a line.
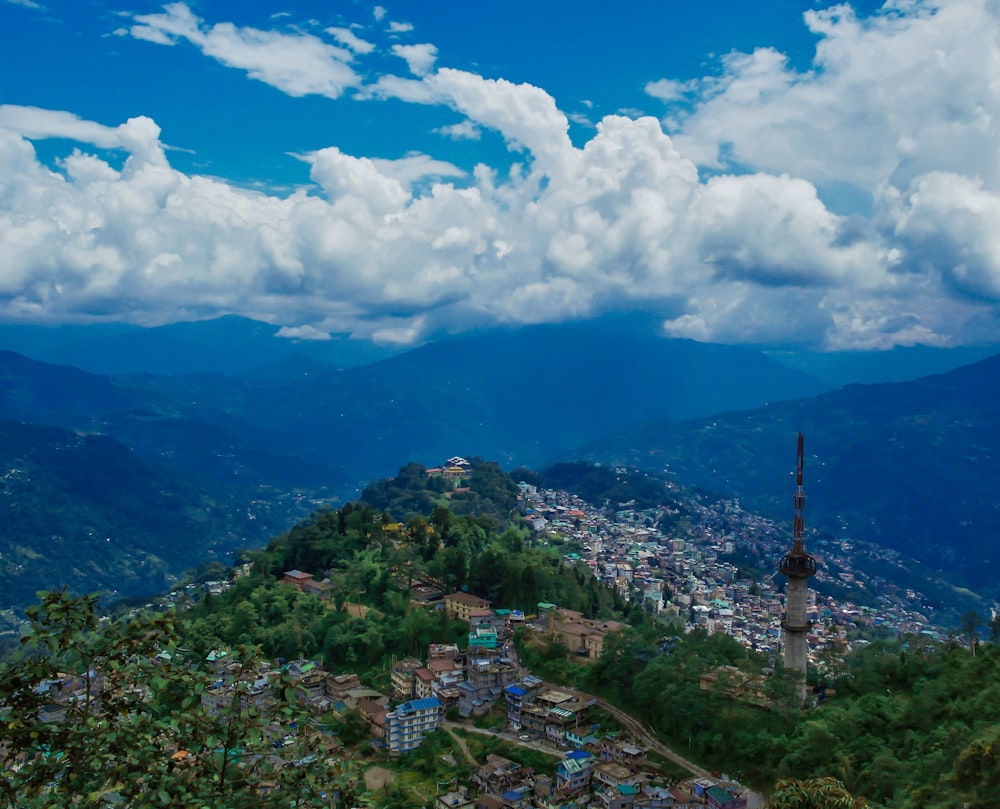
pixel 137 734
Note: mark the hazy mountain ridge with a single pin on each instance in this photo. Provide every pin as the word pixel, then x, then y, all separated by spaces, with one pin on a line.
pixel 521 397
pixel 81 511
pixel 902 464
pixel 231 344
pixel 909 465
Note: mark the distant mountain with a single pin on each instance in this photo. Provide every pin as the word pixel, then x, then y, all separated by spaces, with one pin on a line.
pixel 521 397
pixel 239 346
pixel 901 364
pixel 83 512
pixel 914 466
pixel 189 422
pixel 232 345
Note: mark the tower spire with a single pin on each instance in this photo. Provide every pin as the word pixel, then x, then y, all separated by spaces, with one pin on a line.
pixel 798 566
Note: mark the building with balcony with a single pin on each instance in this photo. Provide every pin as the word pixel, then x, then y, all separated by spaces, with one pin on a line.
pixel 410 722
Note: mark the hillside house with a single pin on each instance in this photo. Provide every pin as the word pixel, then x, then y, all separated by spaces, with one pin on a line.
pixel 297 578
pixel 406 727
pixel 460 605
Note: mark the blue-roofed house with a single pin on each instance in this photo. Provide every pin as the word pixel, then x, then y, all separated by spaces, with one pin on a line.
pixel 410 722
pixel 573 772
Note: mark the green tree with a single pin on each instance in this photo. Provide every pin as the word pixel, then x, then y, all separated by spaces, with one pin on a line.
pixel 813 793
pixel 136 706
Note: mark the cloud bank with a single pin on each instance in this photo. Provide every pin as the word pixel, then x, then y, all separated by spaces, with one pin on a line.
pixel 728 226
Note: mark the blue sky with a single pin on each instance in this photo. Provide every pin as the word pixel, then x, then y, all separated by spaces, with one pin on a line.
pixel 785 174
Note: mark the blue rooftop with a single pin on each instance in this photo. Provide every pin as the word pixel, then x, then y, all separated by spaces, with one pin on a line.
pixel 419 705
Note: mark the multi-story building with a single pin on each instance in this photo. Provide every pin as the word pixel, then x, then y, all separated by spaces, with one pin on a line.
pixel 402 677
pixel 410 722
pixel 461 605
pixel 573 772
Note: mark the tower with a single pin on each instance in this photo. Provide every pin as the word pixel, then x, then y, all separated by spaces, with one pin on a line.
pixel 798 566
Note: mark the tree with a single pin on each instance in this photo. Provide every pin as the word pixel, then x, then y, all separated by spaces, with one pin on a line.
pixel 970 623
pixel 107 711
pixel 813 793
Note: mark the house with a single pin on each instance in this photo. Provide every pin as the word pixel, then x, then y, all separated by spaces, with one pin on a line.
pixel 402 677
pixel 406 727
pixel 573 772
pixel 457 799
pixel 482 636
pixel 736 684
pixel 460 605
pixel 297 578
pixel 582 636
pixel 717 797
pixel 499 775
pixel 423 683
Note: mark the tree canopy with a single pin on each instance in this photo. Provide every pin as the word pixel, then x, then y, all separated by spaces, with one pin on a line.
pixel 108 713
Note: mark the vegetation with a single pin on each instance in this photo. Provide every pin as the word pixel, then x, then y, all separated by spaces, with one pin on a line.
pixel 912 724
pixel 370 561
pixel 613 486
pixel 137 734
pixel 487 491
pixel 84 512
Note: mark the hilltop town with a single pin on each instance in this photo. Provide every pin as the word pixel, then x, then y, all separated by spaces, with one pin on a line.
pixel 477 690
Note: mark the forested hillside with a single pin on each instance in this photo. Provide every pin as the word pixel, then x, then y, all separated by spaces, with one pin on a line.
pixel 372 560
pixel 907 724
pixel 81 511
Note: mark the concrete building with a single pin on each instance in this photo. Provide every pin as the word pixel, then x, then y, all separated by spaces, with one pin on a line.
pixel 409 723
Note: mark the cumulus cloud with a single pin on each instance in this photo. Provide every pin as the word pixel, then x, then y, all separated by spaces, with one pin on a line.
pixel 888 97
pixel 393 249
pixel 297 64
pixel 899 106
pixel 419 58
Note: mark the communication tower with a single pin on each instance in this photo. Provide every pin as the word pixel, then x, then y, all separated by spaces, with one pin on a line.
pixel 798 566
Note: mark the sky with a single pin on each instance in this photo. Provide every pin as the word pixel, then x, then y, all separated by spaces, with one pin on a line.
pixel 778 174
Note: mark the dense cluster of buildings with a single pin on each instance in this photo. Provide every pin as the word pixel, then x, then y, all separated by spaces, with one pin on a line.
pixel 603 778
pixel 687 571
pixel 598 769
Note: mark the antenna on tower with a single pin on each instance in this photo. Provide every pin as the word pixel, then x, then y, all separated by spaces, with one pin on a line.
pixel 797 561
pixel 799 521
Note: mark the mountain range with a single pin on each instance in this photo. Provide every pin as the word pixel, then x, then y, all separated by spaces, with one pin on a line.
pixel 914 466
pixel 905 464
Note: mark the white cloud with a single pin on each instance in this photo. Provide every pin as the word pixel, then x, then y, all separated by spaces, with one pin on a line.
pixel 347 38
pixel 310 333
pixel 669 90
pixel 902 107
pixel 420 59
pixel 400 27
pixel 463 130
pixel 297 64
pixel 33 123
pixel 25 3
pixel 909 90
pixel 378 12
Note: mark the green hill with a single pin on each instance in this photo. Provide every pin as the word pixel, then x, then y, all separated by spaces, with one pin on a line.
pixel 83 512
